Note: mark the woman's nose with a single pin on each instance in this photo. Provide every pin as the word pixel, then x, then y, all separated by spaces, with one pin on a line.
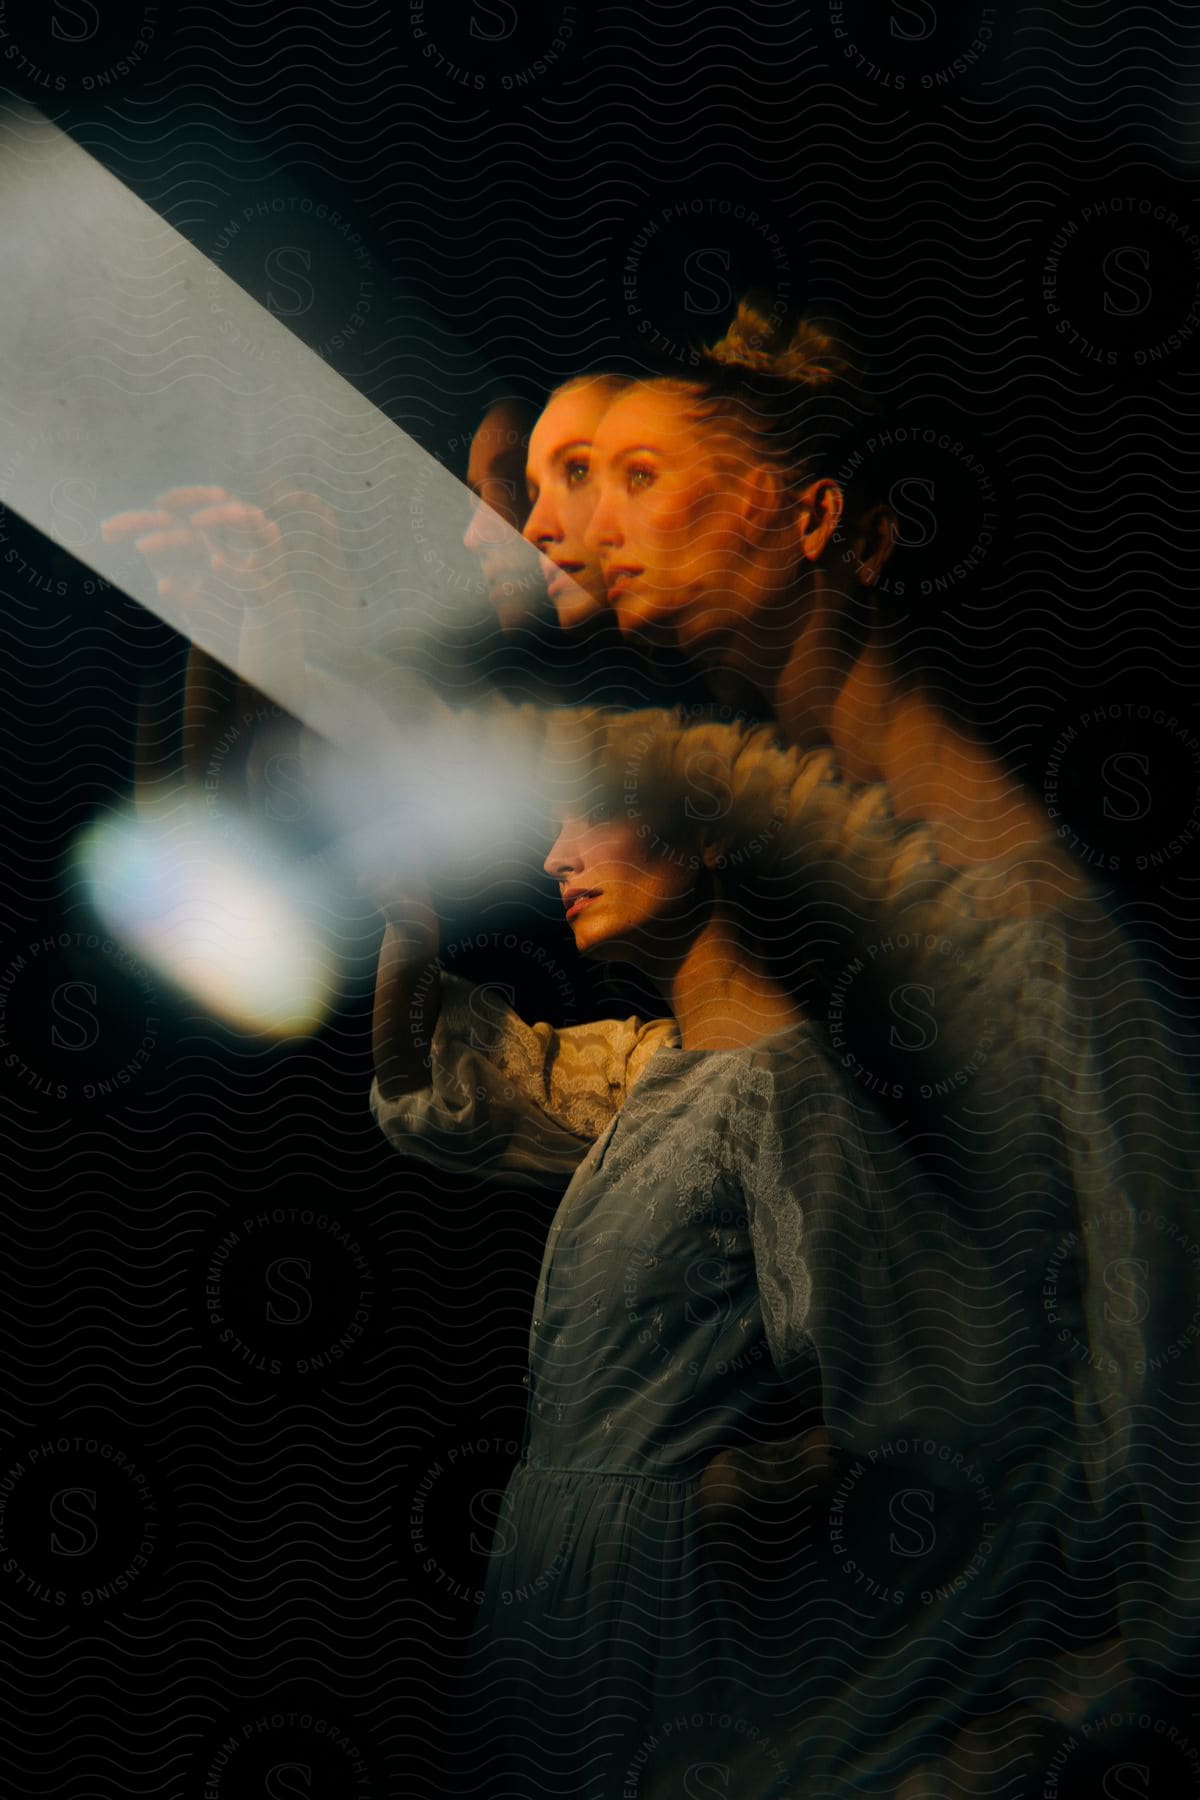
pixel 478 535
pixel 498 510
pixel 563 856
pixel 604 526
pixel 541 527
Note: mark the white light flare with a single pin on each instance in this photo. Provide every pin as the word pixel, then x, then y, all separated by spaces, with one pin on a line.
pixel 451 798
pixel 243 940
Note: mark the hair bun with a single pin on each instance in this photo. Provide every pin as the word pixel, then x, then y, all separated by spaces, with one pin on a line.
pixel 763 342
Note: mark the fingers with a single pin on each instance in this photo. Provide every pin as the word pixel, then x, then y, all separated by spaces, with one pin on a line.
pixel 160 517
pixel 317 567
pixel 225 562
pixel 173 537
pixel 123 526
pixel 178 556
pixel 244 546
pixel 238 537
pixel 206 508
pixel 239 514
pixel 284 500
pixel 205 532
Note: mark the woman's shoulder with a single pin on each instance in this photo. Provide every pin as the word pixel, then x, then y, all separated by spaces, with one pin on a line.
pixel 779 1066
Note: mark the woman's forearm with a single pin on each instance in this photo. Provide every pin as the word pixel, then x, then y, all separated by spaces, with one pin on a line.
pixel 408 998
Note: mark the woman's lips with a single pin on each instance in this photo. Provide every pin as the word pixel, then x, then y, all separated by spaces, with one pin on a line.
pixel 617 581
pixel 564 579
pixel 579 902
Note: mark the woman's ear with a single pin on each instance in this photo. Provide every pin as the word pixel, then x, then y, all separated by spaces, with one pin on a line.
pixel 872 540
pixel 818 516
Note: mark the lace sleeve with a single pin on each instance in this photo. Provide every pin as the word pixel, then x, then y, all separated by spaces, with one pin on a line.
pixel 513 1097
pixel 861 1267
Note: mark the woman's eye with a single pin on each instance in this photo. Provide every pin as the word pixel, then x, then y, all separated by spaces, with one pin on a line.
pixel 577 473
pixel 639 477
pixel 596 815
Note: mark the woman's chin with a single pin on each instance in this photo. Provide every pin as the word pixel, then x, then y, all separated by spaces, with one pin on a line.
pixel 600 942
pixel 579 612
pixel 705 631
pixel 639 616
pixel 519 611
pixel 589 939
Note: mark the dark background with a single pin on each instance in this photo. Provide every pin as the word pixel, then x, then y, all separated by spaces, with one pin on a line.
pixel 538 190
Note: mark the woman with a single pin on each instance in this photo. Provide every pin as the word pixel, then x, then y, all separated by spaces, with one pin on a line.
pixel 586 658
pixel 562 495
pixel 718 530
pixel 745 1256
pixel 496 479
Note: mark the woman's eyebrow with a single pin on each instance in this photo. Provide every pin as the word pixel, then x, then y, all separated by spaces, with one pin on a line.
pixel 636 450
pixel 564 450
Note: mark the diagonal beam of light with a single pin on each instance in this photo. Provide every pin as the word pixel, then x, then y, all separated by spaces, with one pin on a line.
pixel 131 364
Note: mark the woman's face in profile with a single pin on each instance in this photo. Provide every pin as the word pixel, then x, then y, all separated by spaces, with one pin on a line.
pixel 496 477
pixel 622 886
pixel 669 524
pixel 558 475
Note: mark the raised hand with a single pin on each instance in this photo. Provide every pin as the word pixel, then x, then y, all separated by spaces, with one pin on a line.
pixel 388 861
pixel 208 550
pixel 244 580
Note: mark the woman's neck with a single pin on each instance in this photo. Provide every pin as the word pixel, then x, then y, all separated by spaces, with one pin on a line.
pixel 832 687
pixel 796 649
pixel 721 997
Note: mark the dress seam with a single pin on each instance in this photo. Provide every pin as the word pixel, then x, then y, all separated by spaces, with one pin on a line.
pixel 626 1475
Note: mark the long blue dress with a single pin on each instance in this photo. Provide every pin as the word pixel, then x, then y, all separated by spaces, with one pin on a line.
pixel 744 1247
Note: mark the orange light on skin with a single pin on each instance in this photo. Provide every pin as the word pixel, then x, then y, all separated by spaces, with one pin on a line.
pixel 619 884
pixel 563 497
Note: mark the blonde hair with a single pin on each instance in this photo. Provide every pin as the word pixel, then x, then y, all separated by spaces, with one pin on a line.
pixel 1052 1101
pixel 779 389
pixel 804 861
pixel 765 343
